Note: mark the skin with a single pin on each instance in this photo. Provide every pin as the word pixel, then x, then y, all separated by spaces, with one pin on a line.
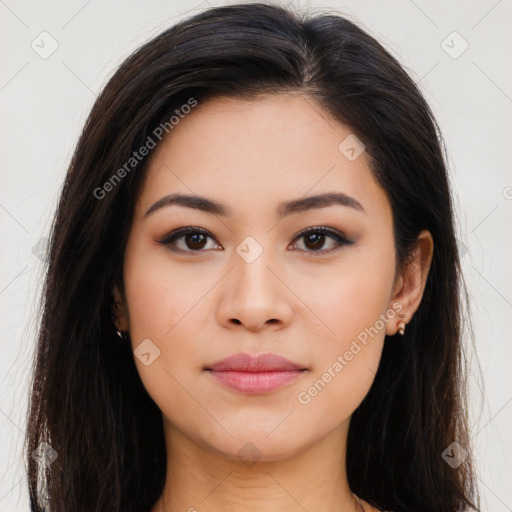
pixel 199 307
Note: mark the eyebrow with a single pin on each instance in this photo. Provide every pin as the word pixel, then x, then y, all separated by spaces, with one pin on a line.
pixel 285 208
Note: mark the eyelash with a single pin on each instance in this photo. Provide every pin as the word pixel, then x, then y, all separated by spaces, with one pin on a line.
pixel 170 239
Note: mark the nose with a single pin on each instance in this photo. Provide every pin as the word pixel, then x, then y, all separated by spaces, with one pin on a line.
pixel 254 295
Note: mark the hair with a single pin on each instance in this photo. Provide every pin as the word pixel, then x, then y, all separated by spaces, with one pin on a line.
pixel 87 400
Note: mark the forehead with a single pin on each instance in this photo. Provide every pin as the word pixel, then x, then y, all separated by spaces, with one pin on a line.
pixel 249 152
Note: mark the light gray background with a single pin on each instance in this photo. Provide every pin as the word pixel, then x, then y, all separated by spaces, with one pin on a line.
pixel 45 102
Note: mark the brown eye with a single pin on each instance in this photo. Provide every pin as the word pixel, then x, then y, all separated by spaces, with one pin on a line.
pixel 315 239
pixel 194 239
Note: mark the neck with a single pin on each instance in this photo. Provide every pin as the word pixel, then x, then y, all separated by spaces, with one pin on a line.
pixel 201 480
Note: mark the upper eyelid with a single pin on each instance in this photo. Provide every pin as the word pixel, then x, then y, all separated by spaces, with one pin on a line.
pixel 186 229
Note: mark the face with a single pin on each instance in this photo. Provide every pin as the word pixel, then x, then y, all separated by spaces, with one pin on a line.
pixel 264 270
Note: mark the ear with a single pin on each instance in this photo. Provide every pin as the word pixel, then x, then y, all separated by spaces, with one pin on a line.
pixel 411 283
pixel 120 312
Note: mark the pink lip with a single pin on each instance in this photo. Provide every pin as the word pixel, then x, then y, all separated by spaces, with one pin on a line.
pixel 255 374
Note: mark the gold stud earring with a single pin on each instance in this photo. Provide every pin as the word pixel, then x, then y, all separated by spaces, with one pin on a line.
pixel 401 328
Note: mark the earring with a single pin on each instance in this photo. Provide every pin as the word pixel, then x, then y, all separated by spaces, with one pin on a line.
pixel 401 328
pixel 121 334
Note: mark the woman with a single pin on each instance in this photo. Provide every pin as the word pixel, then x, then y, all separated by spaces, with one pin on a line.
pixel 253 290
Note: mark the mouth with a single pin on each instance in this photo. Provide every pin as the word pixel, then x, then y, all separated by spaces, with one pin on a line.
pixel 255 374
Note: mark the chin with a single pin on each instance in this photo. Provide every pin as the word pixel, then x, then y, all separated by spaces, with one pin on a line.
pixel 259 447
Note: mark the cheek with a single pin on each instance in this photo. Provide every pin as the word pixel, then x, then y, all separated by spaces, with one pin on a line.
pixel 159 295
pixel 162 311
pixel 347 358
pixel 351 306
pixel 344 369
pixel 160 304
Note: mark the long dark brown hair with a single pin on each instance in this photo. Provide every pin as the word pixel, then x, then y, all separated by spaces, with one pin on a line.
pixel 87 401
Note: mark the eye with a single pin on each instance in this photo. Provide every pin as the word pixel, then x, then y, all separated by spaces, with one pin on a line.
pixel 315 237
pixel 195 239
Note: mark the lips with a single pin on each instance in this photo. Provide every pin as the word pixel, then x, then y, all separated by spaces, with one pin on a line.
pixel 255 374
pixel 263 363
